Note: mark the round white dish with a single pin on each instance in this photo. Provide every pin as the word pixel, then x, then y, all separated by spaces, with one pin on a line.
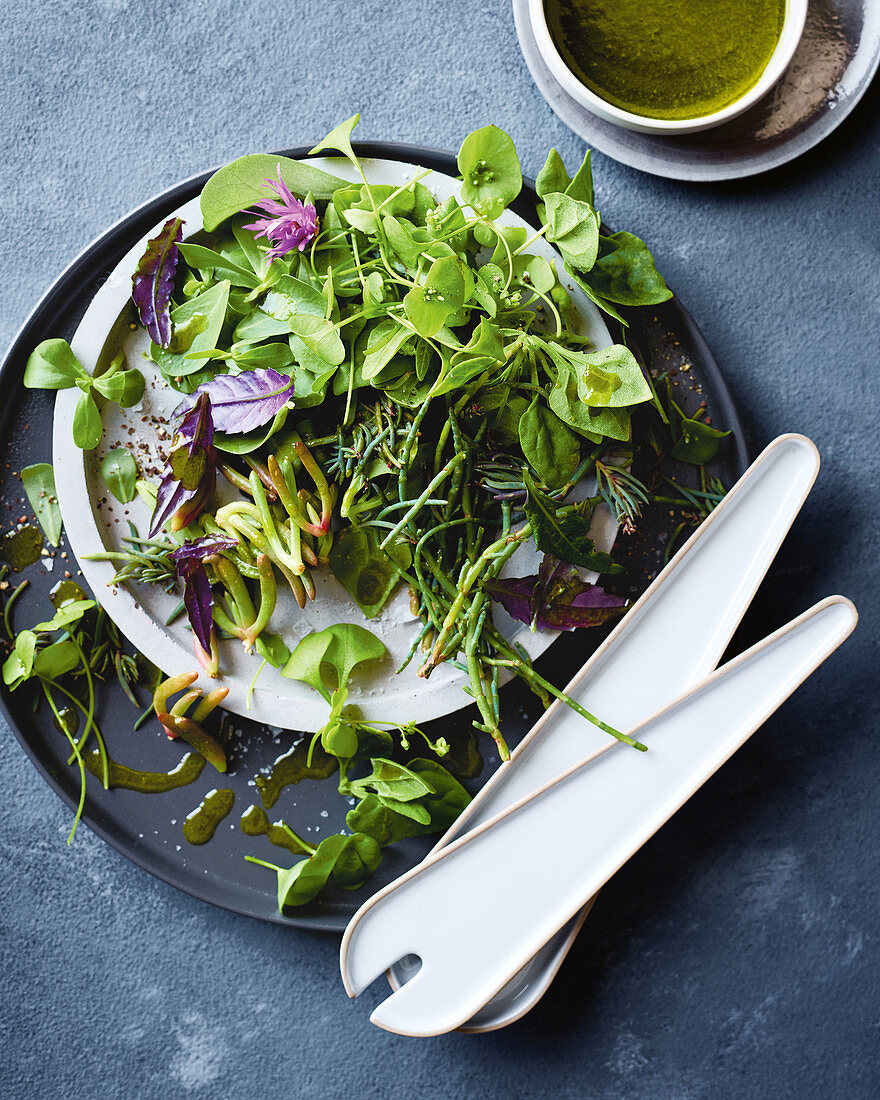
pixel 94 520
pixel 792 29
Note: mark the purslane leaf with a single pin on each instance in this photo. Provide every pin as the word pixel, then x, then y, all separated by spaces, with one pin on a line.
pixel 53 366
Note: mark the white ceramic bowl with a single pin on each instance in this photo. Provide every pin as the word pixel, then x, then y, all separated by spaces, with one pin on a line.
pixel 792 29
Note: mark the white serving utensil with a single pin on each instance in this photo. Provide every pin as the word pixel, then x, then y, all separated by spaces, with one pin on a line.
pixel 477 910
pixel 668 641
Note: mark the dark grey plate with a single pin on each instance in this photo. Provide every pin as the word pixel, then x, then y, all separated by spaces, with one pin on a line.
pixel 830 72
pixel 147 828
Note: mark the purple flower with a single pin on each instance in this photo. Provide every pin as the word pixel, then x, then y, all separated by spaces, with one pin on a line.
pixel 291 224
pixel 189 478
pixel 197 597
pixel 555 599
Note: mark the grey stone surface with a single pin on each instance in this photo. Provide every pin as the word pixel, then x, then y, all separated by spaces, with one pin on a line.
pixel 737 955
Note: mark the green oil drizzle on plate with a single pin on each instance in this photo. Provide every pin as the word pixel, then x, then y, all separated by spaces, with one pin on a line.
pixel 66 592
pixel 255 822
pixel 200 825
pixel 667 59
pixel 130 779
pixel 19 549
pixel 292 768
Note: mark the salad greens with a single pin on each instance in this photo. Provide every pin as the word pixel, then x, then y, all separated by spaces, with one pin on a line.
pixel 398 387
pixel 53 366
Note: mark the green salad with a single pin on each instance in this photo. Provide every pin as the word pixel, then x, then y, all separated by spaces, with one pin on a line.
pixel 399 391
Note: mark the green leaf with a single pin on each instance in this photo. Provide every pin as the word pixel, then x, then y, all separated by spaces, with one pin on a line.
pixel 408 241
pixel 241 184
pixel 86 423
pixel 581 187
pixel 273 649
pixel 698 443
pixel 38 482
pixel 65 616
pixel 564 536
pixel 396 781
pixel 358 858
pixel 387 825
pixel 56 660
pixel 125 387
pixel 550 448
pixel 616 359
pixel 247 442
pixel 339 139
pixel 553 177
pixel 19 664
pixel 442 294
pixel 207 260
pixel 534 271
pixel 484 349
pixel 210 305
pixel 574 229
pixel 366 572
pixel 120 473
pixel 625 272
pixel 490 170
pixel 383 342
pixel 349 859
pixel 320 336
pixel 260 326
pixel 52 366
pixel 341 647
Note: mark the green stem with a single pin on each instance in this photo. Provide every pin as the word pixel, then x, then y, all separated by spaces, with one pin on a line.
pixel 529 673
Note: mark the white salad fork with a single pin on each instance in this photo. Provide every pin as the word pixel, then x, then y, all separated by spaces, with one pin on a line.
pixel 672 637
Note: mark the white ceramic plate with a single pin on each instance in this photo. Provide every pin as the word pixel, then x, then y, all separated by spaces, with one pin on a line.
pixel 94 520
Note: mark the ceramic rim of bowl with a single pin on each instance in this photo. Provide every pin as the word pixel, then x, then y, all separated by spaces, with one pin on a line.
pixel 790 36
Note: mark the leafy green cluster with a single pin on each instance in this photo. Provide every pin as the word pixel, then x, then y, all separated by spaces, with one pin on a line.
pixel 432 351
pixel 53 366
pixel 395 800
pixel 63 657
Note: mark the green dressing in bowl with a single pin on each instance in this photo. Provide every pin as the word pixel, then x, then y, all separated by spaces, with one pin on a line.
pixel 667 59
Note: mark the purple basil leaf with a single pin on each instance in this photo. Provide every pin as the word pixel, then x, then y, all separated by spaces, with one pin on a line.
pixel 197 598
pixel 242 402
pixel 199 601
pixel 169 499
pixel 591 607
pixel 515 596
pixel 197 426
pixel 153 281
pixel 196 550
pixel 555 599
pixel 195 435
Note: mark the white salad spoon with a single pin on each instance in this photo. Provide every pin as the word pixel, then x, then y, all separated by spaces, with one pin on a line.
pixel 470 911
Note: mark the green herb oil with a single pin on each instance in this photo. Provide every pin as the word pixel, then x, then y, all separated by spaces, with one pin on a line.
pixel 19 549
pixel 200 825
pixel 187 771
pixel 292 768
pixel 667 59
pixel 66 591
pixel 255 822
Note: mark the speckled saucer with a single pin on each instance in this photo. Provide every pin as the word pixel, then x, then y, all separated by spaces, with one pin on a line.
pixel 835 62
